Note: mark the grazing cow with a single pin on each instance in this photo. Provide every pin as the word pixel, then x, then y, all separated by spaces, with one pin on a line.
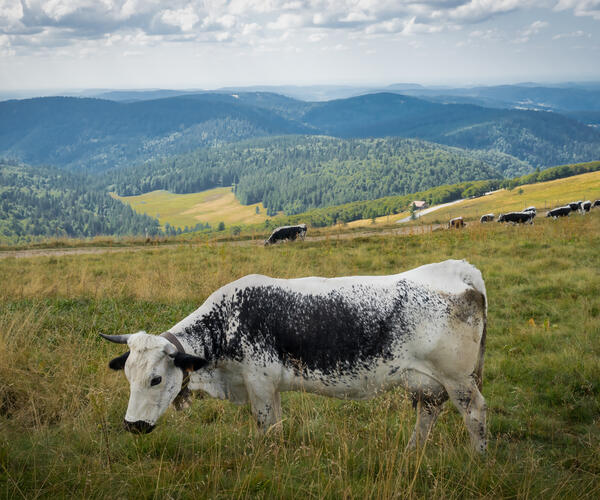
pixel 517 217
pixel 559 212
pixel 586 206
pixel 487 218
pixel 575 206
pixel 596 204
pixel 456 223
pixel 286 233
pixel 349 337
pixel 530 209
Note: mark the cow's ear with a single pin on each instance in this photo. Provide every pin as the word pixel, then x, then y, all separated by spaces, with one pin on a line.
pixel 118 363
pixel 189 363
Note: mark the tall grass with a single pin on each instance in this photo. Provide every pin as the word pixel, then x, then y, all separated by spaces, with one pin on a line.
pixel 61 408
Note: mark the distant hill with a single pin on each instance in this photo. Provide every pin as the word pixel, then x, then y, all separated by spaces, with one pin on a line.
pixel 95 134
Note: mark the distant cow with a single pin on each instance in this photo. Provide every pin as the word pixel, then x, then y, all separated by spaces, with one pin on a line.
pixel 586 205
pixel 517 217
pixel 286 233
pixel 486 218
pixel 575 206
pixel 457 223
pixel 596 204
pixel 530 209
pixel 559 212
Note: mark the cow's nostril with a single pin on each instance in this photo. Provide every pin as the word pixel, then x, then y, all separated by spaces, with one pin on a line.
pixel 139 427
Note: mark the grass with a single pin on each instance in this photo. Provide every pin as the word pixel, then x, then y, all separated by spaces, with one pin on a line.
pixel 61 408
pixel 180 210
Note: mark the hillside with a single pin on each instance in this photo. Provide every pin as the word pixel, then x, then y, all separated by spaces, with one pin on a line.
pixel 295 174
pixel 96 134
pixel 48 202
pixel 544 196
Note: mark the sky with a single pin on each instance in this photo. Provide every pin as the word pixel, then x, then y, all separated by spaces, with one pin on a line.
pixel 206 44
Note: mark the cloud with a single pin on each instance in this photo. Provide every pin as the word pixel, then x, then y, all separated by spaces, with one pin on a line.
pixel 573 34
pixel 588 8
pixel 252 22
pixel 532 30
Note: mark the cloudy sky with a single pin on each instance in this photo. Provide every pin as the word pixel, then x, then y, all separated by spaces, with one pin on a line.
pixel 61 44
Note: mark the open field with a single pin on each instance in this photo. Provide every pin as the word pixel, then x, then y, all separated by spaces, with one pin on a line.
pixel 180 210
pixel 544 196
pixel 61 408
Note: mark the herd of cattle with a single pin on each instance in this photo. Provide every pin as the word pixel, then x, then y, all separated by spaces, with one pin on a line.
pixel 529 213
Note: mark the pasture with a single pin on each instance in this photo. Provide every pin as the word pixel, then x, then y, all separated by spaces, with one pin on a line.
pixel 543 195
pixel 180 210
pixel 61 408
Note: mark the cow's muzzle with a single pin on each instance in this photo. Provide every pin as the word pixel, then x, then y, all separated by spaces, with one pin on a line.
pixel 139 427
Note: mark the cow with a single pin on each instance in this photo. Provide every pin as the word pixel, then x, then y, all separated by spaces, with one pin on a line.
pixel 487 218
pixel 456 223
pixel 517 217
pixel 286 233
pixel 559 212
pixel 596 204
pixel 575 205
pixel 586 206
pixel 348 337
pixel 530 209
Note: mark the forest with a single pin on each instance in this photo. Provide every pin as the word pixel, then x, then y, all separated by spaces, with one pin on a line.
pixel 298 173
pixel 46 202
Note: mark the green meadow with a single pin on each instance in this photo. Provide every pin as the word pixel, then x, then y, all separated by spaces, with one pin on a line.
pixel 61 408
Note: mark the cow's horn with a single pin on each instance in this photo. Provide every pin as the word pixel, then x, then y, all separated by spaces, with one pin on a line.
pixel 117 339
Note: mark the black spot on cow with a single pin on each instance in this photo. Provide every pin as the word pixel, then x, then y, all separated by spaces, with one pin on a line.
pixel 335 333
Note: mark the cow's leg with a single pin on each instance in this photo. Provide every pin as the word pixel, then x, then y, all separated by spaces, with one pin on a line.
pixel 265 402
pixel 470 403
pixel 427 413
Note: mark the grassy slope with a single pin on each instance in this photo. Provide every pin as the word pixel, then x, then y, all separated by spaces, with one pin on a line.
pixel 544 196
pixel 180 210
pixel 61 408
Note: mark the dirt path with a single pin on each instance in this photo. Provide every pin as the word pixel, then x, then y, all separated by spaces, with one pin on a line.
pixel 60 252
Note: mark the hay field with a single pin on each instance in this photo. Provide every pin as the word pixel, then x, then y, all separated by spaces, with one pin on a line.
pixel 61 408
pixel 180 210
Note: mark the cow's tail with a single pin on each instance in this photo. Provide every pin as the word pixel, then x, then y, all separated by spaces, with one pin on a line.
pixel 473 277
pixel 479 366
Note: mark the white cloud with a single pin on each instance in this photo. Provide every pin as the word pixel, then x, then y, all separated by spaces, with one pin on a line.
pixel 573 34
pixel 185 19
pixel 589 8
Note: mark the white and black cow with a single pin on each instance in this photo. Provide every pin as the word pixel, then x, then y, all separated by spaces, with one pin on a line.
pixel 586 206
pixel 286 233
pixel 486 218
pixel 559 212
pixel 348 337
pixel 575 205
pixel 596 204
pixel 517 217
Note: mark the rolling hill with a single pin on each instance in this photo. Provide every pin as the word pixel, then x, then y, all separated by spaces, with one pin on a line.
pixel 96 134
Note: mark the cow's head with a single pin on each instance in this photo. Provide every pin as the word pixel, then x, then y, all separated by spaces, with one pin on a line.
pixel 155 370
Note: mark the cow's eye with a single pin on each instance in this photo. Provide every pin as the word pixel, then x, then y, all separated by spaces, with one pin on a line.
pixel 156 381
